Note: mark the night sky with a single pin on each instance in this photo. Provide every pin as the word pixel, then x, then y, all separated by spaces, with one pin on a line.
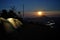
pixel 31 5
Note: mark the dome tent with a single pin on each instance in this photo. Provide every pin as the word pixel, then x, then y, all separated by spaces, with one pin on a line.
pixel 7 25
pixel 15 22
pixel 10 24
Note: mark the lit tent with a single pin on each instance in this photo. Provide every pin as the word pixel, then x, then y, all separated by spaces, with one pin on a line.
pixel 15 22
pixel 10 24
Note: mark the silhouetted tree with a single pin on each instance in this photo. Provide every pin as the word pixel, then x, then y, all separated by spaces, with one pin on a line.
pixel 19 14
pixel 11 14
pixel 13 8
pixel 4 13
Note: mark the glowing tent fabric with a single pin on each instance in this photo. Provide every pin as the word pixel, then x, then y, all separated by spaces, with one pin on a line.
pixel 7 25
pixel 15 22
pixel 10 24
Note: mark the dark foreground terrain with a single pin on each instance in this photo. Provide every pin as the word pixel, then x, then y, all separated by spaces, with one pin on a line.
pixel 33 31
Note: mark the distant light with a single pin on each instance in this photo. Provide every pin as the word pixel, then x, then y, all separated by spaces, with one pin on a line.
pixel 40 13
